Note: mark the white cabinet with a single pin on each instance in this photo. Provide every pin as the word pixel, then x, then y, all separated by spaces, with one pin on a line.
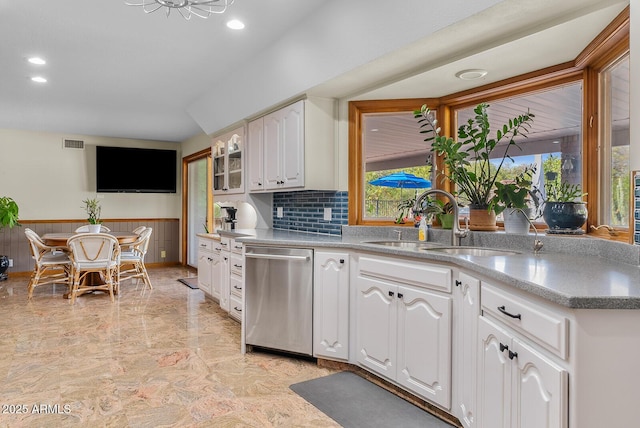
pixel 209 267
pixel 403 327
pixel 518 386
pixel 331 305
pixel 467 310
pixel 205 261
pixel 293 148
pixel 236 282
pixel 228 163
pixel 225 260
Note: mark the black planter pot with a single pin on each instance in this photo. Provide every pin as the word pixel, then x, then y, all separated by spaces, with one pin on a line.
pixel 565 215
pixel 4 265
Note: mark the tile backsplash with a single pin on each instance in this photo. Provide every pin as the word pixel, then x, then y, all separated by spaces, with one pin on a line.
pixel 303 211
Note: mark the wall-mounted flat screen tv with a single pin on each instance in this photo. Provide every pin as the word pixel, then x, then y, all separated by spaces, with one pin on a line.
pixel 135 170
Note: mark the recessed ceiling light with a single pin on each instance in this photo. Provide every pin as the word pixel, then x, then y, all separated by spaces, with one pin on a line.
pixel 235 24
pixel 556 141
pixel 374 129
pixel 39 79
pixel 472 74
pixel 36 60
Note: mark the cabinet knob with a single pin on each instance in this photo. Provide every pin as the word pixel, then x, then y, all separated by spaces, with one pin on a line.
pixel 391 293
pixel 503 347
pixel 259 184
pixel 458 283
pixel 513 355
pixel 342 261
pixel 400 295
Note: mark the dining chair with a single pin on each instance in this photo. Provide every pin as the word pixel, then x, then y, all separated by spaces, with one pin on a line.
pixel 95 263
pixel 85 229
pixel 132 261
pixel 52 264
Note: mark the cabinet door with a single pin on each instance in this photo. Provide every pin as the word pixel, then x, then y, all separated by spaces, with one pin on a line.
pixel 215 274
pixel 331 305
pixel 272 148
pixel 494 376
pixel 424 344
pixel 292 122
pixel 539 390
pixel 467 295
pixel 376 321
pixel 205 261
pixel 224 280
pixel 255 155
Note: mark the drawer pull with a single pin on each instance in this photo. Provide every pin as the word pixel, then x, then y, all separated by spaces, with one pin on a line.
pixel 504 311
pixel 237 309
pixel 513 355
pixel 237 265
pixel 503 347
pixel 237 288
pixel 238 247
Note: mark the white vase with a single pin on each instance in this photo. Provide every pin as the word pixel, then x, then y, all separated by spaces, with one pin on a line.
pixel 94 228
pixel 515 221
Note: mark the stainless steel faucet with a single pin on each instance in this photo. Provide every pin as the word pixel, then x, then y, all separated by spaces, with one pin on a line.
pixel 399 234
pixel 537 244
pixel 456 232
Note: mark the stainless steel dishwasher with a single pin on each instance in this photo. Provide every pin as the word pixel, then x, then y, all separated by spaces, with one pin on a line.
pixel 279 298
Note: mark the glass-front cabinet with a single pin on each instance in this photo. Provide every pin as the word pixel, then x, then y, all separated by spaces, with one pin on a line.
pixel 228 162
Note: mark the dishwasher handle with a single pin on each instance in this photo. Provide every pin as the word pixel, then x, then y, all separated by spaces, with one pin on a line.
pixel 276 257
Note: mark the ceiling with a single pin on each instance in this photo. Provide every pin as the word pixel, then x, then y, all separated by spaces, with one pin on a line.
pixel 114 71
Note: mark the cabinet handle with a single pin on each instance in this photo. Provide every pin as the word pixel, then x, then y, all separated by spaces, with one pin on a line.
pixel 259 184
pixel 210 259
pixel 238 247
pixel 237 288
pixel 390 293
pixel 513 355
pixel 223 243
pixel 503 347
pixel 237 309
pixel 458 283
pixel 400 295
pixel 237 265
pixel 504 311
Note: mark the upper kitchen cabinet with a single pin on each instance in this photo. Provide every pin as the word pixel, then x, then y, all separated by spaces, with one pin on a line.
pixel 228 162
pixel 293 148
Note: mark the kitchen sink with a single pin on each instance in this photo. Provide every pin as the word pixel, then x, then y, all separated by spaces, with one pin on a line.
pixel 405 244
pixel 473 251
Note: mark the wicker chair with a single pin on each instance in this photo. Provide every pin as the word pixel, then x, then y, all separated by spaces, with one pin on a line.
pixel 94 255
pixel 52 264
pixel 138 230
pixel 85 229
pixel 132 262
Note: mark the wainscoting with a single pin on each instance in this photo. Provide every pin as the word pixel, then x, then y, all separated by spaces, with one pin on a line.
pixel 165 237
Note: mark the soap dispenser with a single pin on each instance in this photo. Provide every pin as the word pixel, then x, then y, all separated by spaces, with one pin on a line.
pixel 422 230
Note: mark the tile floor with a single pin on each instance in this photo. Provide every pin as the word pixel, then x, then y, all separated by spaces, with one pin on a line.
pixel 160 358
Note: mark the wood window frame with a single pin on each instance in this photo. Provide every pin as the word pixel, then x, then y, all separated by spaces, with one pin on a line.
pixel 610 44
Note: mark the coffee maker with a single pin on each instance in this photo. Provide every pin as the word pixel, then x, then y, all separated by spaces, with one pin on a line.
pixel 230 219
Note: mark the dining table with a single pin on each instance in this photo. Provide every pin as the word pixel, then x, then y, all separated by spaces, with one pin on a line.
pixel 59 239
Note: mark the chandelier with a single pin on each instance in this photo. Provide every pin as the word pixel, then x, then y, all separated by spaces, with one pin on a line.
pixel 186 8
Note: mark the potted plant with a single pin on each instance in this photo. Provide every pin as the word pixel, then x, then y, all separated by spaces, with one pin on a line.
pixel 443 211
pixel 513 200
pixel 92 207
pixel 468 161
pixel 8 218
pixel 404 208
pixel 564 211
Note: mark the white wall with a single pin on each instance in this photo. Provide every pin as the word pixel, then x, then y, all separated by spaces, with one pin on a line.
pixel 50 183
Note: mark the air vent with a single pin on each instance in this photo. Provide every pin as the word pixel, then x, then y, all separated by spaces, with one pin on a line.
pixel 73 144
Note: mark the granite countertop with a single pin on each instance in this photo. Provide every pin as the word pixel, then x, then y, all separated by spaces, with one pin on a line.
pixel 579 273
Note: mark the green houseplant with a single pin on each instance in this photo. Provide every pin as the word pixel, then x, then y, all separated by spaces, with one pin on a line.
pixel 468 159
pixel 9 219
pixel 513 200
pixel 564 211
pixel 93 209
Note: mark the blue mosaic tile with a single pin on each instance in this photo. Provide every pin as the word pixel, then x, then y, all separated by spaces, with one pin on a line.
pixel 304 211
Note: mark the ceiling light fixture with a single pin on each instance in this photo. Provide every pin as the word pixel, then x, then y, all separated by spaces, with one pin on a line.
pixel 186 8
pixel 39 79
pixel 36 60
pixel 235 24
pixel 471 74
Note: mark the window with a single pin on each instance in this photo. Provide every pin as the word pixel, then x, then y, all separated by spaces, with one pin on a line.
pixel 615 176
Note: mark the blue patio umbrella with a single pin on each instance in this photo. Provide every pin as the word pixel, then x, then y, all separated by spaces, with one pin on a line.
pixel 402 180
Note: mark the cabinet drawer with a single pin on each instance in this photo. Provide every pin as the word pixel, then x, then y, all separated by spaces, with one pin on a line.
pixel 235 308
pixel 542 325
pixel 406 272
pixel 235 247
pixel 205 244
pixel 236 264
pixel 225 242
pixel 235 286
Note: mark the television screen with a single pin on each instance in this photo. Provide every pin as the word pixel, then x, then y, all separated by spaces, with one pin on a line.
pixel 135 170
